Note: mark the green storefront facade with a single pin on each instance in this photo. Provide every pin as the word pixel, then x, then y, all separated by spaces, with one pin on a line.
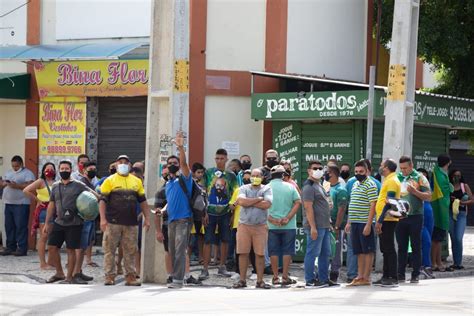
pixel 333 125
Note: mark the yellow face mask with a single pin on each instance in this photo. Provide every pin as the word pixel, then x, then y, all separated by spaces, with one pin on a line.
pixel 256 181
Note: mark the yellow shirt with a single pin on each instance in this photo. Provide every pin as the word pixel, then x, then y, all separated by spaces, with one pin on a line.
pixel 43 194
pixel 390 184
pixel 235 195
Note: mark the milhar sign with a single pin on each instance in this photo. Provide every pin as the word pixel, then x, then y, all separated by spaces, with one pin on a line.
pixel 316 105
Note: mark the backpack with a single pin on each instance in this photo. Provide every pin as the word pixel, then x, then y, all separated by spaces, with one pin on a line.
pixel 198 200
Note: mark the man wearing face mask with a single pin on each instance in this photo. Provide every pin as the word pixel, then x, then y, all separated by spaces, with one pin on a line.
pixel 345 171
pixel 67 226
pixel 88 228
pixel 387 224
pixel 363 198
pixel 82 159
pixel 246 162
pixel 220 184
pixel 316 222
pixel 252 232
pixel 118 219
pixel 17 207
pixel 271 160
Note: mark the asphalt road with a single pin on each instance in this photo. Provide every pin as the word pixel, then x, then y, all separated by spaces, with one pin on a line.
pixel 453 296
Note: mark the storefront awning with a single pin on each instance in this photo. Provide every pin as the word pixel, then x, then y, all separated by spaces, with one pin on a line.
pixel 75 52
pixel 14 86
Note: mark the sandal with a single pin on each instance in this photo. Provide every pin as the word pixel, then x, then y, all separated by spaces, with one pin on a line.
pixel 55 278
pixel 287 281
pixel 239 285
pixel 276 281
pixel 448 269
pixel 92 264
pixel 262 285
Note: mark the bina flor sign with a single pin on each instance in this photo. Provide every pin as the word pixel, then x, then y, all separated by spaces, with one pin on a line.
pixel 92 78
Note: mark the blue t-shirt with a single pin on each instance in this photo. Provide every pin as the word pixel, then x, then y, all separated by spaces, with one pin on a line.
pixel 351 181
pixel 178 203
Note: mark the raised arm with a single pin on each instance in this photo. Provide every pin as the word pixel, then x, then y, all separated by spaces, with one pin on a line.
pixel 183 164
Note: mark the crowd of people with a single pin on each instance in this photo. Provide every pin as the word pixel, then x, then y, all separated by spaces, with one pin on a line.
pixel 249 217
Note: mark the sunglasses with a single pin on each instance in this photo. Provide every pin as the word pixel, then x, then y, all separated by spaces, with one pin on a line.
pixel 317 168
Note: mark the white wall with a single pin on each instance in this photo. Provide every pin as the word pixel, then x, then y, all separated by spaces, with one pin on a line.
pixel 78 21
pixel 12 132
pixel 429 80
pixel 236 34
pixel 327 37
pixel 228 119
pixel 13 25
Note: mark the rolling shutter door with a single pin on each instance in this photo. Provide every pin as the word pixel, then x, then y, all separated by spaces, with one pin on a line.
pixel 122 130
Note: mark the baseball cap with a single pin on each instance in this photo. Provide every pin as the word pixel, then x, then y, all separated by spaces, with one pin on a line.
pixel 123 157
pixel 277 169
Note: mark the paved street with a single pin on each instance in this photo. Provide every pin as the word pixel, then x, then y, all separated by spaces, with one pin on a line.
pixel 434 297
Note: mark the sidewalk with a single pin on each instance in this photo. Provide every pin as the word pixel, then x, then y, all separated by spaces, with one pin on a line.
pixel 26 269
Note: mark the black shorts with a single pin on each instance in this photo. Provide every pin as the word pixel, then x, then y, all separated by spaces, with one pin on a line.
pixel 362 244
pixel 69 234
pixel 438 235
pixel 164 230
pixel 197 227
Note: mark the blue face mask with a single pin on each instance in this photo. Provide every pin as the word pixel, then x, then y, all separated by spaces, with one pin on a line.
pixel 123 169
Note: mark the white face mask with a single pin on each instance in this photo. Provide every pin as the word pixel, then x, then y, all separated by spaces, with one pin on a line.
pixel 123 169
pixel 317 174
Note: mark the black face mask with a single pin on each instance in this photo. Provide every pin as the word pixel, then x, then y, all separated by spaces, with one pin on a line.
pixel 327 177
pixel 65 175
pixel 271 163
pixel 246 165
pixel 173 169
pixel 91 174
pixel 360 177
pixel 246 181
pixel 166 178
pixel 345 174
pixel 112 171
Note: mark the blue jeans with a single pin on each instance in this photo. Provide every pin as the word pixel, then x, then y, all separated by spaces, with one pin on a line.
pixel 321 248
pixel 351 259
pixel 456 232
pixel 16 226
pixel 426 233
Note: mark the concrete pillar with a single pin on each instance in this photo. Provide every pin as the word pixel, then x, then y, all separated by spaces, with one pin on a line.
pixel 168 111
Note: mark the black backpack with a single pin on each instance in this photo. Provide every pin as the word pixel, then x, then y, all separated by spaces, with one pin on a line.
pixel 198 200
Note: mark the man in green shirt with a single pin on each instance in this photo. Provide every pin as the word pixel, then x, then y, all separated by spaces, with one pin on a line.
pixel 282 223
pixel 339 199
pixel 415 189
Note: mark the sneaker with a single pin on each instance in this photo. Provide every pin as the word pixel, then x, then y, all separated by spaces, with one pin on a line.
pixel 424 273
pixel 6 252
pixel 222 271
pixel 333 276
pixel 401 279
pixel 76 279
pixel 315 284
pixel 332 283
pixel 204 275
pixel 253 277
pixel 415 279
pixel 430 273
pixel 85 277
pixel 109 280
pixel 389 282
pixel 131 280
pixel 193 280
pixel 175 285
pixel 169 280
pixel 378 282
pixel 349 280
pixel 235 277
pixel 18 253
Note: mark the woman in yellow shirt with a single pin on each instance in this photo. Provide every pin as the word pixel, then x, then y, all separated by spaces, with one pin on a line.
pixel 40 191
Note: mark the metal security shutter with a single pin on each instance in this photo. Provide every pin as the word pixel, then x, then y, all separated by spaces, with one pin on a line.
pixel 428 143
pixel 122 129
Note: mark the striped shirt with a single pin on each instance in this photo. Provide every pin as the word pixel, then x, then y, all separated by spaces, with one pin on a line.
pixel 361 196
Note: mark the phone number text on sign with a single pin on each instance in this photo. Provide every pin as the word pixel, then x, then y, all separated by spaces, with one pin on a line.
pixel 64 150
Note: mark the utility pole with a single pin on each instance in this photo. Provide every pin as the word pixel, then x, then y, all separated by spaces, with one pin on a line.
pixel 398 132
pixel 167 112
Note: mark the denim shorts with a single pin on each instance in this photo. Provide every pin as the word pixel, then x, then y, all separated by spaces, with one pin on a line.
pixel 222 223
pixel 87 235
pixel 281 242
pixel 42 216
pixel 362 244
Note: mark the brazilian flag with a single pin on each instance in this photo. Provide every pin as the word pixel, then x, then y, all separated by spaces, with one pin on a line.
pixel 440 199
